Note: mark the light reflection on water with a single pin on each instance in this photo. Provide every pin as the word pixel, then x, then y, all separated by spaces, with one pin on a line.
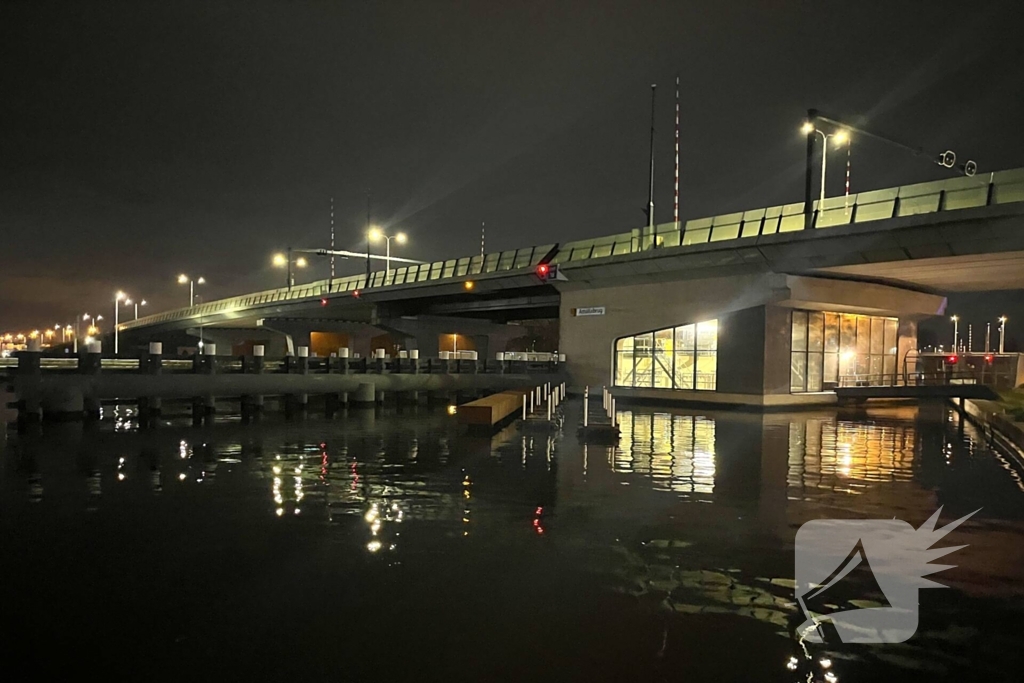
pixel 690 517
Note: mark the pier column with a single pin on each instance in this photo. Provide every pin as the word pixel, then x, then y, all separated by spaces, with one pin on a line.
pixel 365 395
pixel 150 406
pixel 252 404
pixel 90 364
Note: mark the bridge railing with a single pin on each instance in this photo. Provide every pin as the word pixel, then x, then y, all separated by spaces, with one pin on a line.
pixel 1001 187
pixel 909 379
pixel 504 261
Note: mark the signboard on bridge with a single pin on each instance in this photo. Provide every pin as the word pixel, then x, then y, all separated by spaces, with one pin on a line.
pixel 590 310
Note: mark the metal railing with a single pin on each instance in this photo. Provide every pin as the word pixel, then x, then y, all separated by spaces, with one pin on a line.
pixel 908 379
pixel 1001 187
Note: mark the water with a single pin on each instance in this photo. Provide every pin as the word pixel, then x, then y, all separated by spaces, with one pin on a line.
pixel 389 546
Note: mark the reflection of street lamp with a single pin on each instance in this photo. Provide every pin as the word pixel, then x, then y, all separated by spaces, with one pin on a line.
pixel 282 261
pixel 1002 332
pixel 182 279
pixel 375 235
pixel 840 137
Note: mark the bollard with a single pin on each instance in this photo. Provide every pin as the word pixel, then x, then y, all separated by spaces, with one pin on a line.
pixel 524 406
pixel 414 358
pixel 549 410
pixel 586 405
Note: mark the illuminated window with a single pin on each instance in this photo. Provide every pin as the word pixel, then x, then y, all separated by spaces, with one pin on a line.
pixel 684 357
pixel 841 349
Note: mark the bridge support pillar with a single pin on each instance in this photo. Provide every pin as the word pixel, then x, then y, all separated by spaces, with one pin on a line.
pixel 365 395
pixel 252 404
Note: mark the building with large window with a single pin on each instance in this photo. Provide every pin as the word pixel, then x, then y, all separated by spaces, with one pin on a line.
pixel 763 340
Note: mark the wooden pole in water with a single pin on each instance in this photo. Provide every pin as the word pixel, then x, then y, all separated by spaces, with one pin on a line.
pixel 524 406
pixel 586 400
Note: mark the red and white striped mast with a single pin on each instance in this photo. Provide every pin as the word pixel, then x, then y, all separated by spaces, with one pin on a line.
pixel 675 209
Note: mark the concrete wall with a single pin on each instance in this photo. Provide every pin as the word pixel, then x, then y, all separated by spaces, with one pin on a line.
pixel 629 309
pixel 754 316
pixel 741 351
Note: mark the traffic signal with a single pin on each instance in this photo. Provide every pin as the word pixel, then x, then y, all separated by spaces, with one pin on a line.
pixel 547 272
pixel 951 360
pixel 323 301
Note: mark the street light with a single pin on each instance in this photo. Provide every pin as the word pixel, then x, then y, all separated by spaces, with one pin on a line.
pixel 1002 333
pixel 136 304
pixel 118 298
pixel 375 235
pixel 282 261
pixel 182 279
pixel 840 137
pixel 956 332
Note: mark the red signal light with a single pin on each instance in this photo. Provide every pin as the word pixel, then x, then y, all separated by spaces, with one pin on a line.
pixel 542 270
pixel 355 293
pixel 988 358
pixel 951 360
pixel 323 301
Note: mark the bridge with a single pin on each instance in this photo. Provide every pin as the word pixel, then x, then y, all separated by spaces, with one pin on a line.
pixel 857 260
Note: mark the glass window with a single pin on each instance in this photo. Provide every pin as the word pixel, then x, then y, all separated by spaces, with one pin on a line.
pixel 814 371
pixel 799 341
pixel 798 372
pixel 815 331
pixel 841 349
pixel 832 332
pixel 684 357
pixel 663 359
pixel 686 337
pixel 643 373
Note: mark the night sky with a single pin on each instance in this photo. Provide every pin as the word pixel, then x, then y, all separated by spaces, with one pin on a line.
pixel 139 140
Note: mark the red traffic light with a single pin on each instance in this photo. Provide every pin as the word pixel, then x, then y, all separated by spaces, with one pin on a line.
pixel 951 360
pixel 542 270
pixel 355 293
pixel 323 301
pixel 988 358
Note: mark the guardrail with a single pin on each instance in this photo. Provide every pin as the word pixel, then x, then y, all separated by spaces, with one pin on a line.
pixel 909 379
pixel 1001 187
pixel 505 261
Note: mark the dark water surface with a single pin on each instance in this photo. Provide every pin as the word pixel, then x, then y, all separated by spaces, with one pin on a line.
pixel 388 546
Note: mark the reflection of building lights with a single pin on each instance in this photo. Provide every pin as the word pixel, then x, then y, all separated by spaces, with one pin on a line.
pixel 826 663
pixel 830 677
pixel 181 477
pixel 277 469
pixel 792 663
pixel 279 511
pixel 373 546
pixel 120 476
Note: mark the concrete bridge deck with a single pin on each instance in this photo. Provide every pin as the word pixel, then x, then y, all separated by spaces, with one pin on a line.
pixel 914 234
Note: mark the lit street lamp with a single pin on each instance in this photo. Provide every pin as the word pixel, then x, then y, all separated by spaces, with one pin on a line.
pixel 956 332
pixel 375 235
pixel 129 302
pixel 1002 333
pixel 182 279
pixel 283 261
pixel 92 325
pixel 118 299
pixel 839 136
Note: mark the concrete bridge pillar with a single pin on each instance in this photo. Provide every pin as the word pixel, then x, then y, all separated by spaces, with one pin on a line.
pixel 365 395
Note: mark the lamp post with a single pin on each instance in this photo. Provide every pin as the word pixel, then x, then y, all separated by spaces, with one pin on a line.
pixel 1002 333
pixel 118 298
pixel 137 304
pixel 839 136
pixel 182 279
pixel 375 235
pixel 283 261
pixel 956 332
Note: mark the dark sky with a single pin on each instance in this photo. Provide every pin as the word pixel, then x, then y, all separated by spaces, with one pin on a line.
pixel 139 140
